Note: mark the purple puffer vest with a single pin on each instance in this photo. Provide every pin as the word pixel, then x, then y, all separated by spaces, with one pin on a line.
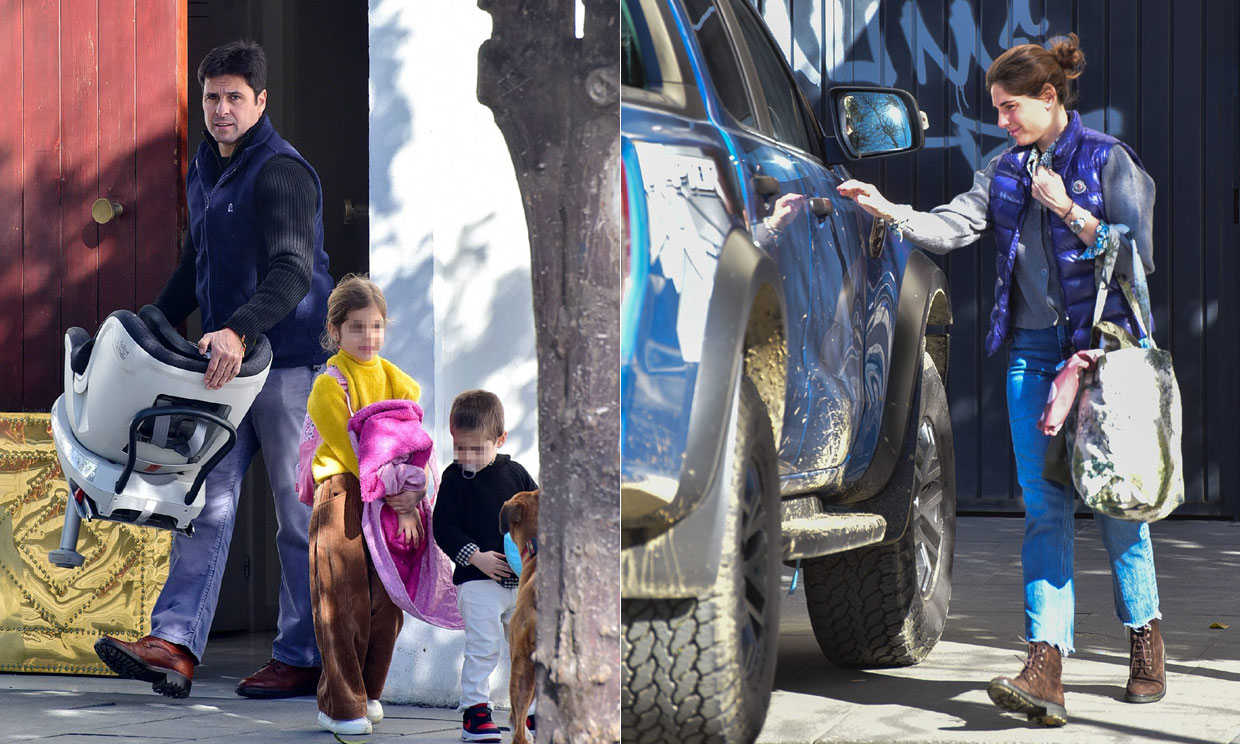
pixel 1079 156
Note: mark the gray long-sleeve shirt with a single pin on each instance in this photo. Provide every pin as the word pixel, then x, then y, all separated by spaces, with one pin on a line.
pixel 1037 302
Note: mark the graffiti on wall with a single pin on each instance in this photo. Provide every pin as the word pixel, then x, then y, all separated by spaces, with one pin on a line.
pixel 841 41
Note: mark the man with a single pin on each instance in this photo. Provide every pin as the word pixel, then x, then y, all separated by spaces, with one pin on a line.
pixel 253 262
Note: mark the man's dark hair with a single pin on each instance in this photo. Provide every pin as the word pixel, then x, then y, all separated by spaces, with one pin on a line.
pixel 477 411
pixel 243 58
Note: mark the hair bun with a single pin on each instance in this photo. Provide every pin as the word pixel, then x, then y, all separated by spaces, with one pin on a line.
pixel 1067 51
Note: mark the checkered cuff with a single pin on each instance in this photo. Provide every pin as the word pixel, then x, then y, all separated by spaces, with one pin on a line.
pixel 510 582
pixel 464 554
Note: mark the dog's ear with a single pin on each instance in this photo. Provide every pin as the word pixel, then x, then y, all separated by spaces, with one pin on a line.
pixel 510 514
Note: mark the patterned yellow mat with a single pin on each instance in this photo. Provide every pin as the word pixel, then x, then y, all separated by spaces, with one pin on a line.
pixel 50 617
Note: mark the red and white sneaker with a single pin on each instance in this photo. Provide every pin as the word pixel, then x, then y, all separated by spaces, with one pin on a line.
pixel 476 724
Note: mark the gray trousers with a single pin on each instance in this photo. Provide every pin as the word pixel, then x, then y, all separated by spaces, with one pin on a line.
pixel 186 606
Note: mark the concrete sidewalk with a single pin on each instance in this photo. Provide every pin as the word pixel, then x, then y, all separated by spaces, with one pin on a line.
pixel 96 710
pixel 944 699
pixel 941 700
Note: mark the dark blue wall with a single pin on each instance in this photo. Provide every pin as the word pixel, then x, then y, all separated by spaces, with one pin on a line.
pixel 1165 77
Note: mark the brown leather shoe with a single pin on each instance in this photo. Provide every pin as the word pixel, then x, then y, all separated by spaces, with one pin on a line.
pixel 279 680
pixel 1147 670
pixel 168 667
pixel 1038 690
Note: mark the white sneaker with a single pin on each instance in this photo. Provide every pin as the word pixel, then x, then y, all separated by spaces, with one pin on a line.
pixel 374 711
pixel 350 726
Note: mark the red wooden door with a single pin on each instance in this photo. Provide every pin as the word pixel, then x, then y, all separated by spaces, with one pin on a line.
pixel 94 106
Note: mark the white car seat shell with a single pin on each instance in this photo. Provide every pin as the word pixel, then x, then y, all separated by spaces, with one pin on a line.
pixel 136 430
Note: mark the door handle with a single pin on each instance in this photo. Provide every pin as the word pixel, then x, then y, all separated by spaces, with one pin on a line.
pixel 766 185
pixel 820 206
pixel 104 211
pixel 878 237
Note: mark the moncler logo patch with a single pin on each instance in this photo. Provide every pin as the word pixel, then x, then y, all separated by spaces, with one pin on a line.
pixel 1078 187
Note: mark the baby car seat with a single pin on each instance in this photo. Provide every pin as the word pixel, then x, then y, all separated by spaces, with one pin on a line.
pixel 137 430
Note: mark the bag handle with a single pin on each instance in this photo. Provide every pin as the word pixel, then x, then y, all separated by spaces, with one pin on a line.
pixel 1140 303
pixel 339 377
pixel 1137 294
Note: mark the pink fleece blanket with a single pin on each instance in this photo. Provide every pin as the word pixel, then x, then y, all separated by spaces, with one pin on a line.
pixel 418 579
pixel 387 433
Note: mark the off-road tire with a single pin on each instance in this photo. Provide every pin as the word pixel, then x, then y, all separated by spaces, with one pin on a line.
pixel 873 606
pixel 699 670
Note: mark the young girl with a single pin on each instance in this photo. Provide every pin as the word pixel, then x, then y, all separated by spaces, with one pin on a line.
pixel 355 619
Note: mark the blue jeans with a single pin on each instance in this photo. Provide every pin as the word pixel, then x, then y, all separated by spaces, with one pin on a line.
pixel 1046 556
pixel 186 606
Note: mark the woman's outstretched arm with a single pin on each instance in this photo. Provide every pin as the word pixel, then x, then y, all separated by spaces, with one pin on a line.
pixel 956 224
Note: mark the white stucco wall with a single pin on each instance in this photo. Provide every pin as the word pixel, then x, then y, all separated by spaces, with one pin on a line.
pixel 448 245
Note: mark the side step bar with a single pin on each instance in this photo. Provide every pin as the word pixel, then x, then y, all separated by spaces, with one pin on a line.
pixel 822 534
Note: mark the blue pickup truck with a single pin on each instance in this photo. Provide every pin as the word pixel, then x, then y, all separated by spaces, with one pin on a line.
pixel 782 378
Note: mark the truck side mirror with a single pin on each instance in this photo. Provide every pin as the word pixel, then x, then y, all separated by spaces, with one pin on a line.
pixel 875 122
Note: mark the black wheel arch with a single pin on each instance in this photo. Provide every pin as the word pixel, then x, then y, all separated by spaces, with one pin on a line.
pixel 745 337
pixel 923 323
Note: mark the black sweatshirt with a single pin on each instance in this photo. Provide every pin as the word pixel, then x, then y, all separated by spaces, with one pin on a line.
pixel 287 196
pixel 467 513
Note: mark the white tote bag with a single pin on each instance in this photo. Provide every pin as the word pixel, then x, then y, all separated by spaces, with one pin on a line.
pixel 1126 457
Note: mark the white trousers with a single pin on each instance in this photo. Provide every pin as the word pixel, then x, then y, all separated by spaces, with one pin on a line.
pixel 485 607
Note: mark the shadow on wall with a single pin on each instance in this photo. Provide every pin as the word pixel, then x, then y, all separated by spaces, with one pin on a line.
pixel 505 316
pixel 406 279
pixel 391 118
pixel 458 321
pixel 412 316
pixel 500 310
pixel 59 269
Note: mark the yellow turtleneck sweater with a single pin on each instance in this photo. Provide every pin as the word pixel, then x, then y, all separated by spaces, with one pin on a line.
pixel 369 382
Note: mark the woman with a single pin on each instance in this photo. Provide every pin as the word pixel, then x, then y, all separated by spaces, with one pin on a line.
pixel 1059 195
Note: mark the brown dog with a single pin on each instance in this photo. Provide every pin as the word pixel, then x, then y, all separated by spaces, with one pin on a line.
pixel 519 516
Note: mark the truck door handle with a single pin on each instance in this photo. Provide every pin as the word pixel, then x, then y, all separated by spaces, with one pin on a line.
pixel 878 237
pixel 766 185
pixel 820 206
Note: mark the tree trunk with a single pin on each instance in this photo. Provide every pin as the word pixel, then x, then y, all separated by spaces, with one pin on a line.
pixel 556 100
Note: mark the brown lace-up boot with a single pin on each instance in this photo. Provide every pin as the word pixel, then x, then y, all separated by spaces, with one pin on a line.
pixel 1037 691
pixel 1147 672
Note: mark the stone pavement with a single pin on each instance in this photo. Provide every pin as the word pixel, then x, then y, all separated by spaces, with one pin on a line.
pixel 941 700
pixel 944 699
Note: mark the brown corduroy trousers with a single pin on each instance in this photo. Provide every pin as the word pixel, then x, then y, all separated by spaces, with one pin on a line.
pixel 355 621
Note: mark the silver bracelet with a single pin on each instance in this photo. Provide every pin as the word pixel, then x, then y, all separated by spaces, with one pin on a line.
pixel 897 226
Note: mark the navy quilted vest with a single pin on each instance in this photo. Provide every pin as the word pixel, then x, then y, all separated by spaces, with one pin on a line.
pixel 228 237
pixel 1079 155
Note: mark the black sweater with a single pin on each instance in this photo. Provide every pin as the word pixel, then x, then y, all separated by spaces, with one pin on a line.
pixel 287 195
pixel 467 513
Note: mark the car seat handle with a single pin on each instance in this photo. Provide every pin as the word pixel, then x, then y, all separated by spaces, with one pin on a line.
pixel 188 411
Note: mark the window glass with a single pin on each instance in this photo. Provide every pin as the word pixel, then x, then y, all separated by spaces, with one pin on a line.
pixel 725 71
pixel 787 118
pixel 632 67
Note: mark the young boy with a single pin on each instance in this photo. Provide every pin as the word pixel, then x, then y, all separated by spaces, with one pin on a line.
pixel 466 527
